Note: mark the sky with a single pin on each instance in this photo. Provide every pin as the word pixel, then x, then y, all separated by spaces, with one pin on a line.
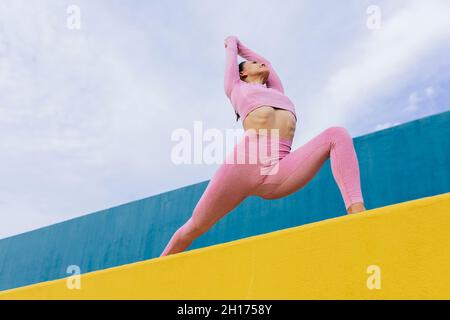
pixel 87 110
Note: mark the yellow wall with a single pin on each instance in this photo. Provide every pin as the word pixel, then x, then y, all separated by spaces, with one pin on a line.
pixel 408 242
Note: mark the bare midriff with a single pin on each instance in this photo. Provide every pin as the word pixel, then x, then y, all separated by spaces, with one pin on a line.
pixel 267 117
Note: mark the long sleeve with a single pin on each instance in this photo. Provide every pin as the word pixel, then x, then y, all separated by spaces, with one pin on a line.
pixel 231 67
pixel 273 81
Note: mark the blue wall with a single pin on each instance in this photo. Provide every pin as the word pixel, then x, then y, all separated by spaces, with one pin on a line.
pixel 401 163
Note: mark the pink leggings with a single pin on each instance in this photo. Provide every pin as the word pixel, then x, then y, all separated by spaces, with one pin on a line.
pixel 275 175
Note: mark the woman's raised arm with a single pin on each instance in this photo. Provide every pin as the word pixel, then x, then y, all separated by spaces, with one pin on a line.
pixel 231 67
pixel 273 81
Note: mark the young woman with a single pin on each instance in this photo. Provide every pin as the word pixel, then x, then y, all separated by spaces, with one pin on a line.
pixel 257 95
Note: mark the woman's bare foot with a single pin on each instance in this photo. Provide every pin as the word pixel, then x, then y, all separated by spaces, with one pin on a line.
pixel 356 207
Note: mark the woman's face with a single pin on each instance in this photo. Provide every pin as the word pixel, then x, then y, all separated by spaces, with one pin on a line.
pixel 253 69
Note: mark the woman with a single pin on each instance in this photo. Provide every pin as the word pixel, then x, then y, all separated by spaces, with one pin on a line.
pixel 256 92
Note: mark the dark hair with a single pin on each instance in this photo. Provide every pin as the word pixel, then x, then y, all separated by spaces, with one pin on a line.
pixel 241 68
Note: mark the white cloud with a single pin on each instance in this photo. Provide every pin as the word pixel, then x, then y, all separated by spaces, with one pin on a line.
pixel 86 116
pixel 429 91
pixel 420 100
pixel 413 100
pixel 380 61
pixel 386 125
pixel 75 116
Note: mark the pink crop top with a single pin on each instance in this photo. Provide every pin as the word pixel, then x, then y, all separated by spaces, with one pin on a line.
pixel 246 97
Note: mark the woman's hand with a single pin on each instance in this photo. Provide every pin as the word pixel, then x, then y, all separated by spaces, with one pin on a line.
pixel 230 38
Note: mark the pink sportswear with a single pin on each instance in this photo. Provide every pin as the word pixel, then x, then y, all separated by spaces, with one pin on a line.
pixel 234 181
pixel 246 97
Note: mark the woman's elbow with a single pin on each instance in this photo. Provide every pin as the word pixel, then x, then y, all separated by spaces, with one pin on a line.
pixel 227 90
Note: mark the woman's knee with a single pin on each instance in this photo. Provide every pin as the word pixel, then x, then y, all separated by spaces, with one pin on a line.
pixel 338 132
pixel 272 195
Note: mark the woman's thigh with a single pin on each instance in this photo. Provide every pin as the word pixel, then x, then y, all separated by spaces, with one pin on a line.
pixel 228 187
pixel 297 168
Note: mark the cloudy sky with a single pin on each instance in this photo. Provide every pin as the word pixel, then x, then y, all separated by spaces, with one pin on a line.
pixel 86 115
